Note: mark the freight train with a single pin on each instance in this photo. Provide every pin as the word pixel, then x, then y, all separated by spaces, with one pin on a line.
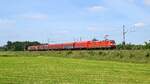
pixel 105 44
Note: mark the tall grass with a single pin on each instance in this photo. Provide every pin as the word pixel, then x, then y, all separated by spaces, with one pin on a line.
pixel 137 56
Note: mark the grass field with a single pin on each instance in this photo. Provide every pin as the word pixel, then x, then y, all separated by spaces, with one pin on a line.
pixel 65 68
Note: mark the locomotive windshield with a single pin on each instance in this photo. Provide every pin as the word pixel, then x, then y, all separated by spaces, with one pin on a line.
pixel 113 42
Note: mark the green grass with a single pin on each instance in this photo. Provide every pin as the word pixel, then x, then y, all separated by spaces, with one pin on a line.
pixel 132 56
pixel 55 70
pixel 75 67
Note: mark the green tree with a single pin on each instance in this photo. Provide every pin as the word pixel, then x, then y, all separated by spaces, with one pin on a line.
pixel 19 46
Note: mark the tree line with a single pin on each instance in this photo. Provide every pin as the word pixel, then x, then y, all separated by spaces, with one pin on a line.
pixel 22 46
pixel 18 45
pixel 130 46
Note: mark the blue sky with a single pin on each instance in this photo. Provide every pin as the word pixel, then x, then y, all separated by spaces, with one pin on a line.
pixel 68 20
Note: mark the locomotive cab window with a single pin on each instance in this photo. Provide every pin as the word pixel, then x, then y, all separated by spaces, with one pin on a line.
pixel 113 42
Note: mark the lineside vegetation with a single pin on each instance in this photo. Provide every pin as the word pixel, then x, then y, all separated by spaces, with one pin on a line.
pixel 136 56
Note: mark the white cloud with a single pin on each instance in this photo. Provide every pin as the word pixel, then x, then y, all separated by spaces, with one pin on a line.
pixel 96 8
pixel 139 25
pixel 35 16
pixel 147 2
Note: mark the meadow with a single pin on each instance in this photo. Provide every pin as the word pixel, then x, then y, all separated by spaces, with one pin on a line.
pixel 75 67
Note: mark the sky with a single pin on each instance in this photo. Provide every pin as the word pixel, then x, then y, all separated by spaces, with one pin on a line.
pixel 58 21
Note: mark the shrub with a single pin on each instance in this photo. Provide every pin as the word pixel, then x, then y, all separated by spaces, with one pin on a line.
pixel 100 53
pixel 91 53
pixel 69 52
pixel 147 55
pixel 131 55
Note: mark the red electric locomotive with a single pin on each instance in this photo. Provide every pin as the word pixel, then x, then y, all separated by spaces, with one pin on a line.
pixel 105 44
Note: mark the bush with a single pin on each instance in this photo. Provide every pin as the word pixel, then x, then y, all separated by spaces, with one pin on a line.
pixel 69 52
pixel 19 46
pixel 91 53
pixel 131 55
pixel 147 55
